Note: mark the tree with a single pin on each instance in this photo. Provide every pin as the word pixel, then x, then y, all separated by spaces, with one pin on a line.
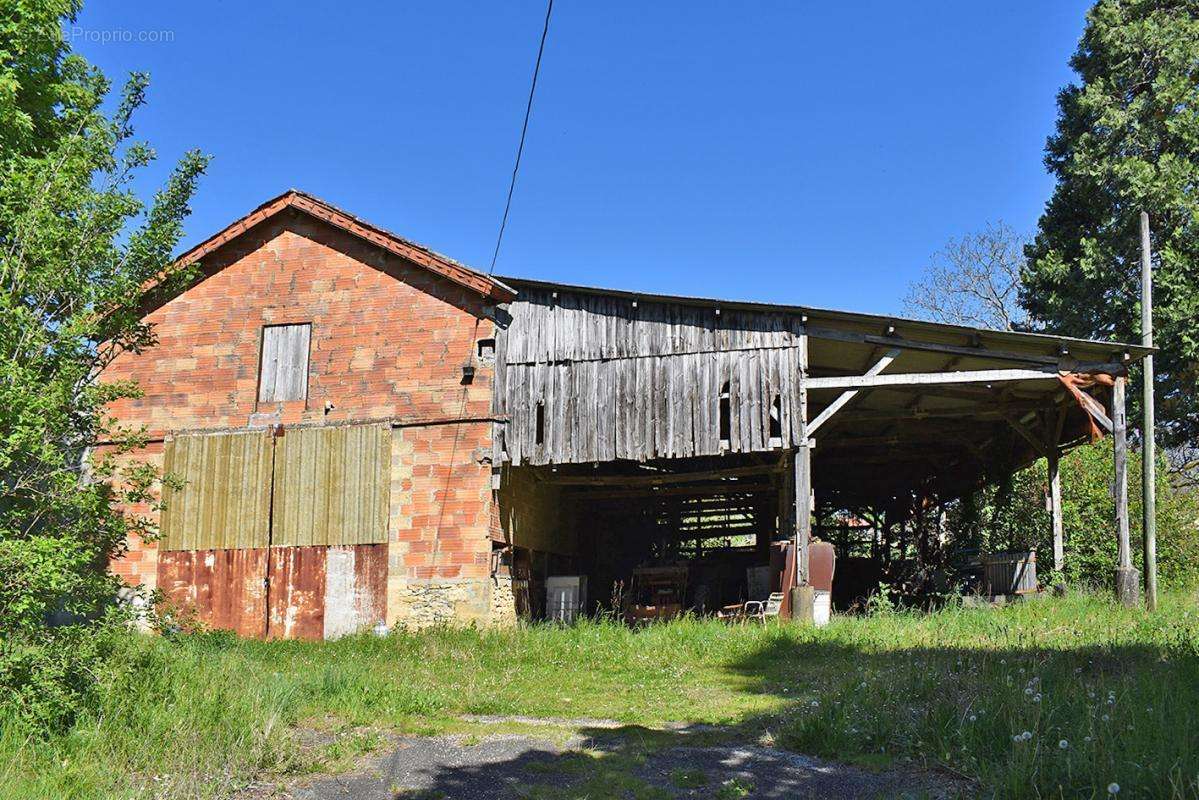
pixel 76 248
pixel 1127 140
pixel 974 280
pixel 1011 515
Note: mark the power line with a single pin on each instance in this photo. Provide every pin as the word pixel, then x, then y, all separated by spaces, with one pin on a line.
pixel 523 130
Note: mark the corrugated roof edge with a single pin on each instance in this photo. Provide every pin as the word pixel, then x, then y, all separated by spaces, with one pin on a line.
pixel 1115 350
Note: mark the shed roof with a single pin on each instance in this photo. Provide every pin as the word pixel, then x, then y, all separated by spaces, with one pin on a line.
pixel 982 339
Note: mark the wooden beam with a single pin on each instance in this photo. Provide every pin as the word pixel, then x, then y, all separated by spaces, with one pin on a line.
pixel 933 378
pixel 1056 361
pixel 661 479
pixel 1127 580
pixel 1055 510
pixel 1095 409
pixel 727 489
pixel 803 473
pixel 1038 444
pixel 948 412
pixel 845 397
pixel 1148 444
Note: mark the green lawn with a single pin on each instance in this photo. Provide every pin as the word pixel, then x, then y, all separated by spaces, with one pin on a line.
pixel 1050 698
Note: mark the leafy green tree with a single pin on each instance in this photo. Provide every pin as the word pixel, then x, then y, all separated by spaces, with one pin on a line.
pixel 1012 514
pixel 76 248
pixel 1127 140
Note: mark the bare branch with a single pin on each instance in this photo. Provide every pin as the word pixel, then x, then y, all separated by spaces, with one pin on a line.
pixel 974 280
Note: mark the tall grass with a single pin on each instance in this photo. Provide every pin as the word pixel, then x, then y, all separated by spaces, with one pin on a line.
pixel 201 716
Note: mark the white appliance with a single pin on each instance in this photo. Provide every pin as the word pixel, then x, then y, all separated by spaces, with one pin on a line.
pixel 565 597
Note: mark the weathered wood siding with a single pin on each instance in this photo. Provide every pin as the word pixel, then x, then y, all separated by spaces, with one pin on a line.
pixel 584 378
pixel 283 373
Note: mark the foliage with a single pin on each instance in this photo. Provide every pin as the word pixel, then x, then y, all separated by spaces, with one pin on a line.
pixel 974 280
pixel 204 716
pixel 76 246
pixel 1127 140
pixel 1012 515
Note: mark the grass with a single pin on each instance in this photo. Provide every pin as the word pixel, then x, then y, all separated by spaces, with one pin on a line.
pixel 989 694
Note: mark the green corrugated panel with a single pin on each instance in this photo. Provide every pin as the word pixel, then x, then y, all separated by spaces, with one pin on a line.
pixel 332 485
pixel 225 501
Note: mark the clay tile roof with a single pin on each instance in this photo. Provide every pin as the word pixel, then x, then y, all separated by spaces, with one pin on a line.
pixel 411 251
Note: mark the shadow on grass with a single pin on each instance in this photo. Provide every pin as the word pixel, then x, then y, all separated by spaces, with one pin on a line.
pixel 610 764
pixel 888 720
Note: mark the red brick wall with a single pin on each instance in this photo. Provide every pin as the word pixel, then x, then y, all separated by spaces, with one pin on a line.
pixel 388 341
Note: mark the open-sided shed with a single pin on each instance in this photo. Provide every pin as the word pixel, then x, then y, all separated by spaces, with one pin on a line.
pixel 653 413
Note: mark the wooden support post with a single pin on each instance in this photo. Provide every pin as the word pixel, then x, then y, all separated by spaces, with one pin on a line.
pixel 1148 467
pixel 803 511
pixel 803 490
pixel 1055 509
pixel 1127 580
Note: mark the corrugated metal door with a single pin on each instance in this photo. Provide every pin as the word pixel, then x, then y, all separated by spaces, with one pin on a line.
pixel 281 536
pixel 331 485
pixel 225 501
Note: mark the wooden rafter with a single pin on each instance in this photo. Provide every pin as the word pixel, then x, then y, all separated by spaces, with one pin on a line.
pixel 846 397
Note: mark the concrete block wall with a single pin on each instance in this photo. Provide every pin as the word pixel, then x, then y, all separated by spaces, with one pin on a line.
pixel 441 507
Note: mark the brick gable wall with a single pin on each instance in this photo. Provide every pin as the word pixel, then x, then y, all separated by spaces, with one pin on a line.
pixel 389 340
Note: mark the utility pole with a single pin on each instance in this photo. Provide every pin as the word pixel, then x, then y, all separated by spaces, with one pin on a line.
pixel 1148 467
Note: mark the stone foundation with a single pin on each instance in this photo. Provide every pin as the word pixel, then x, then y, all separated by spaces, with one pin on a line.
pixel 420 604
pixel 503 602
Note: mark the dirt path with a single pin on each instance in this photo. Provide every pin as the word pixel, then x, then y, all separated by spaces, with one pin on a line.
pixel 607 764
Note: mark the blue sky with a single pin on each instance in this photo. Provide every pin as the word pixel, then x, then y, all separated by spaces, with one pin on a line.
pixel 789 152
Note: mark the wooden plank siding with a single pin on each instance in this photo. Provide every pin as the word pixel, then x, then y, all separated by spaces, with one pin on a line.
pixel 225 501
pixel 584 378
pixel 331 485
pixel 283 371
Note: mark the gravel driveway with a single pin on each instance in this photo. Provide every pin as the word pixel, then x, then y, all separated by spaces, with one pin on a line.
pixel 611 765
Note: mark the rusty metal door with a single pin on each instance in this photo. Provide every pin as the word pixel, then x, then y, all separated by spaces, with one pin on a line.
pixel 279 534
pixel 212 558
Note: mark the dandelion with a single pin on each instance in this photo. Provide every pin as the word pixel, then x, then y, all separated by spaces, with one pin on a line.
pixel 1113 788
pixel 1028 691
pixel 1063 745
pixel 973 717
pixel 1086 738
pixel 1105 718
pixel 1036 698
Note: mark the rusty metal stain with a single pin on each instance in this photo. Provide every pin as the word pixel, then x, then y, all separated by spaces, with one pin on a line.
pixel 297 593
pixel 370 584
pixel 225 500
pixel 222 588
pixel 332 485
pixel 325 592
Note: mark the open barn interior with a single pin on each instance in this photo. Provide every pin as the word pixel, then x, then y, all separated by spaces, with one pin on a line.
pixel 705 437
pixel 657 539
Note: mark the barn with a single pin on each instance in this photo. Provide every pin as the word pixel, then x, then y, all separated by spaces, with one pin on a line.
pixel 359 430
